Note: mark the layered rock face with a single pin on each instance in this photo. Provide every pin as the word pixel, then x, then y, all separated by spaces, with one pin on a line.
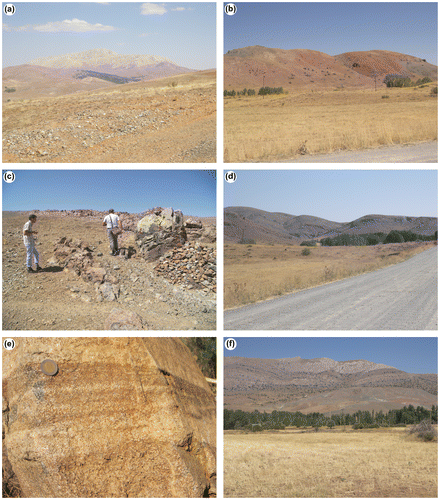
pixel 122 417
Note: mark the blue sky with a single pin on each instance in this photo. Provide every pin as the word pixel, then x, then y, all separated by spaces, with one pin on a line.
pixel 334 28
pixel 191 191
pixel 410 354
pixel 336 195
pixel 182 32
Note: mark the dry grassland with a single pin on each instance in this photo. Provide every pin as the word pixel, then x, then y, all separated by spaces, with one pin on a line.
pixel 259 272
pixel 275 127
pixel 371 463
pixel 169 120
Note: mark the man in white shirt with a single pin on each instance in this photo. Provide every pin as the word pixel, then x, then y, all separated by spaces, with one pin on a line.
pixel 112 222
pixel 29 243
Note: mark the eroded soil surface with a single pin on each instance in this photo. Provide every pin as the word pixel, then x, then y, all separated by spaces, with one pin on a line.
pixel 172 120
pixel 57 299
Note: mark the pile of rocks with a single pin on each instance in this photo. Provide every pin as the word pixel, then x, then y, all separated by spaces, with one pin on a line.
pixel 77 256
pixel 192 265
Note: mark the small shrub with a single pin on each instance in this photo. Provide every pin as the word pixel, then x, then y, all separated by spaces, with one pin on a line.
pixel 434 91
pixel 385 96
pixel 424 430
pixel 310 243
pixel 306 251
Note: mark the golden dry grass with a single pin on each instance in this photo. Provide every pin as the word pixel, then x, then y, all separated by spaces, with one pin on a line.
pixel 258 272
pixel 372 463
pixel 324 121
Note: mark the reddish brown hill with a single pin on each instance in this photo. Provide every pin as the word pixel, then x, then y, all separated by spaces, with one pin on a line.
pixel 251 67
pixel 37 81
pixel 384 62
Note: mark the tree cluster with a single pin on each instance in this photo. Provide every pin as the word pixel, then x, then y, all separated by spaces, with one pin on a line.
pixel 256 421
pixel 251 92
pixel 404 81
pixel 393 236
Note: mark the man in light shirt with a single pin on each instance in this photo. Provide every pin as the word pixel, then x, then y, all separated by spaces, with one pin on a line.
pixel 112 222
pixel 29 243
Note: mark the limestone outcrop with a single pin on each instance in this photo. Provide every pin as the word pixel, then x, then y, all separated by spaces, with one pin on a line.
pixel 122 417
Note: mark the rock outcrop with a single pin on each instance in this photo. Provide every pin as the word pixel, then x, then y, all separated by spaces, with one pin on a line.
pixel 123 417
pixel 160 230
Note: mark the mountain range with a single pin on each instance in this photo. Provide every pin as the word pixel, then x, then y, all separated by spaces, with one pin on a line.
pixel 322 385
pixel 88 70
pixel 257 66
pixel 277 227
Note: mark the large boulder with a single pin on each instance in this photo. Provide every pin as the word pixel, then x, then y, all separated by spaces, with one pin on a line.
pixel 159 231
pixel 159 219
pixel 122 417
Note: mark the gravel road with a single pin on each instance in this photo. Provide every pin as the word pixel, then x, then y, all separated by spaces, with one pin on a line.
pixel 426 152
pixel 399 297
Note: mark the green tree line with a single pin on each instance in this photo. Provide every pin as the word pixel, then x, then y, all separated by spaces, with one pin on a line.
pixel 251 92
pixel 393 236
pixel 256 421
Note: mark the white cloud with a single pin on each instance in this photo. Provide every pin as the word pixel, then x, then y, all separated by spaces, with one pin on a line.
pixel 142 35
pixel 73 26
pixel 178 9
pixel 153 9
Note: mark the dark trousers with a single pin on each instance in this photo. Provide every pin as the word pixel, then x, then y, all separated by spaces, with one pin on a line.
pixel 113 241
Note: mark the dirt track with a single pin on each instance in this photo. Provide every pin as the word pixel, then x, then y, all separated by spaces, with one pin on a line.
pixel 425 152
pixel 60 300
pixel 399 297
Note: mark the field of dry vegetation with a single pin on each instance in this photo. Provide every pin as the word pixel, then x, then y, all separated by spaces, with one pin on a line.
pixel 294 463
pixel 170 120
pixel 276 127
pixel 259 272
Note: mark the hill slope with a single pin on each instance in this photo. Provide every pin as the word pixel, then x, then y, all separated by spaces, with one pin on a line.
pixel 89 70
pixel 275 227
pixel 254 66
pixel 322 385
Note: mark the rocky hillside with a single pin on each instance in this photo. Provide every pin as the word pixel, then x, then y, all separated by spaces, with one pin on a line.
pixel 296 68
pixel 163 278
pixel 275 227
pixel 295 383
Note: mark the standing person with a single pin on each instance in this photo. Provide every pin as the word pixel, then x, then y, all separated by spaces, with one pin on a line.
pixel 29 243
pixel 113 224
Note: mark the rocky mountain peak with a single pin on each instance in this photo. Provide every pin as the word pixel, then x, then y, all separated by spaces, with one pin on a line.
pixel 96 58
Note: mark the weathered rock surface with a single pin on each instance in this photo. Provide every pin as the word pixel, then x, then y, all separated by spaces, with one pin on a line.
pixel 120 319
pixel 160 230
pixel 123 417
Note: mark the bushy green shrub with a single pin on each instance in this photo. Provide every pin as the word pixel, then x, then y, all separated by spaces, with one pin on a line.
pixel 306 251
pixel 309 243
pixel 394 237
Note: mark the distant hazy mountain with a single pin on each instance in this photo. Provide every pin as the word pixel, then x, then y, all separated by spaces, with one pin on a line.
pixel 276 227
pixel 88 70
pixel 107 61
pixel 322 385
